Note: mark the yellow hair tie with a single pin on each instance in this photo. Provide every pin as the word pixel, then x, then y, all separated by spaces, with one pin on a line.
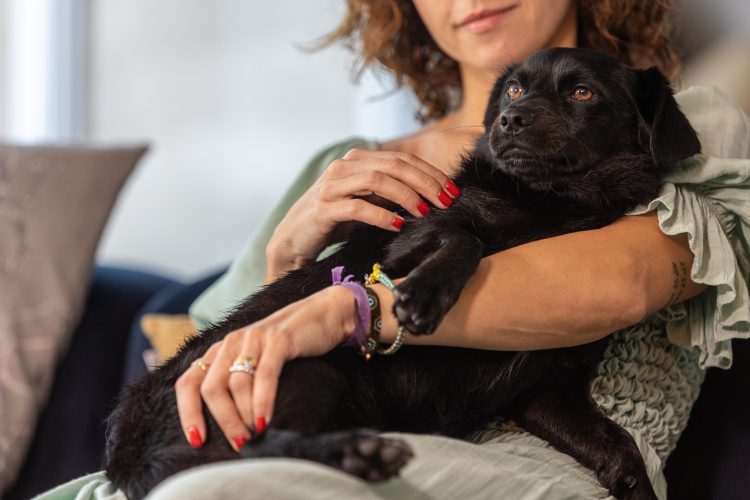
pixel 378 276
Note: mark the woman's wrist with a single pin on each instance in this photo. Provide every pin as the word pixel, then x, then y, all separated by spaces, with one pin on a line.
pixel 272 261
pixel 277 263
pixel 279 260
pixel 389 327
pixel 343 303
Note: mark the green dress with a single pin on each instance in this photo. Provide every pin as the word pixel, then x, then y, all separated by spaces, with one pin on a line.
pixel 647 382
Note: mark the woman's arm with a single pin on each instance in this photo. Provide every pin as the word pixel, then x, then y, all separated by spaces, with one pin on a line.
pixel 564 291
pixel 557 292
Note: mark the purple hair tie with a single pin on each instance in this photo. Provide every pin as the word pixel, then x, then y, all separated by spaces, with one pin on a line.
pixel 362 327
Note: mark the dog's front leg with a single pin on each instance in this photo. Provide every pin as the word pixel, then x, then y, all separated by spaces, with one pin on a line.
pixel 434 285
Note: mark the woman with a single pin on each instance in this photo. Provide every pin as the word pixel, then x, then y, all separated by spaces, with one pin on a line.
pixel 557 292
pixel 552 293
pixel 471 43
pixel 464 44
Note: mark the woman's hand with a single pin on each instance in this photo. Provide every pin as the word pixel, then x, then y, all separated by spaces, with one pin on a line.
pixel 362 186
pixel 240 401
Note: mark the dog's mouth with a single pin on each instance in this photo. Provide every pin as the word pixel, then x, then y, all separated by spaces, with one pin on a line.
pixel 520 159
pixel 540 171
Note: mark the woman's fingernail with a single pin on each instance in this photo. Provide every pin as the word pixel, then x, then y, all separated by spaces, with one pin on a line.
pixel 260 424
pixel 239 441
pixel 452 189
pixel 423 208
pixel 196 441
pixel 397 222
pixel 444 198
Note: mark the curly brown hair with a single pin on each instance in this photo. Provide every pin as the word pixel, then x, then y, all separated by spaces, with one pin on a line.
pixel 390 34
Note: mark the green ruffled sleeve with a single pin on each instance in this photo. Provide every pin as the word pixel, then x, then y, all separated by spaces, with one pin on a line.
pixel 245 275
pixel 708 197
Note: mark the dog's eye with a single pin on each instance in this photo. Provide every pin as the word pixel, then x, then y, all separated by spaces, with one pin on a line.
pixel 514 91
pixel 582 93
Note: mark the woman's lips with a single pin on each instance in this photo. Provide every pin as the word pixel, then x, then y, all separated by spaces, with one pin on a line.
pixel 484 21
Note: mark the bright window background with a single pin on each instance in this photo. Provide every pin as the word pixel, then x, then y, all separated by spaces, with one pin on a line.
pixel 220 89
pixel 44 74
pixel 233 109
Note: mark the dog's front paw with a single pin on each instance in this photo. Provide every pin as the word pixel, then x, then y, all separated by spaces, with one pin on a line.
pixel 420 304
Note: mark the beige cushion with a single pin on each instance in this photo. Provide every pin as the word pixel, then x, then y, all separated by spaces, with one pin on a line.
pixel 54 202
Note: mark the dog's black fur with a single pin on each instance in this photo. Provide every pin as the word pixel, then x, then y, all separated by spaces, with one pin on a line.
pixel 547 164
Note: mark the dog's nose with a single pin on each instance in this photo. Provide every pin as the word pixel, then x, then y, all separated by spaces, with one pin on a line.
pixel 513 121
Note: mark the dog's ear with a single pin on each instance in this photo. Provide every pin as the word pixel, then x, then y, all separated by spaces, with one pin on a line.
pixel 493 104
pixel 664 131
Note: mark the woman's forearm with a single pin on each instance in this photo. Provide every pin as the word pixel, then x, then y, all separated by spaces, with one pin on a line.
pixel 564 291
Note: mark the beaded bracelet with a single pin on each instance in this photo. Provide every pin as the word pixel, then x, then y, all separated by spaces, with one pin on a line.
pixel 378 276
pixel 376 323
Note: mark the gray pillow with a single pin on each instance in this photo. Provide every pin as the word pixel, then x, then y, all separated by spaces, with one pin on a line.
pixel 54 202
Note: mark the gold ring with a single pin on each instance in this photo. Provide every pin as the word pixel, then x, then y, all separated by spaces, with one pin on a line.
pixel 244 360
pixel 243 364
pixel 200 364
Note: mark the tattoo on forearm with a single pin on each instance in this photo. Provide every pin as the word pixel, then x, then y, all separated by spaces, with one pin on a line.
pixel 679 270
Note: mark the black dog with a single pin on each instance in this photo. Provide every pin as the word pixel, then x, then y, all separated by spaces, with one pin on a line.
pixel 573 140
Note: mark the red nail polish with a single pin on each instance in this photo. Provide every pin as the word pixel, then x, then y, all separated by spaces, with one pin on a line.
pixel 423 208
pixel 260 424
pixel 397 222
pixel 444 198
pixel 452 189
pixel 196 441
pixel 239 441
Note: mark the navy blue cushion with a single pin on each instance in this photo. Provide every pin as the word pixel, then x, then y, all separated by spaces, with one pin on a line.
pixel 175 299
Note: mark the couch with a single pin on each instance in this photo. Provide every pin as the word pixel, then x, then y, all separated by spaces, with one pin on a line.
pixel 105 353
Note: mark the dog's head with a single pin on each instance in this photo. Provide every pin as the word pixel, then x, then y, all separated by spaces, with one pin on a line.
pixel 563 112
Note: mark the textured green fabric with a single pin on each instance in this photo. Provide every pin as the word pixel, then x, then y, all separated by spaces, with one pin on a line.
pixel 647 382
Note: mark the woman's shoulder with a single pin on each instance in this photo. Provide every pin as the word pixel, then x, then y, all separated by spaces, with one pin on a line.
pixel 721 124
